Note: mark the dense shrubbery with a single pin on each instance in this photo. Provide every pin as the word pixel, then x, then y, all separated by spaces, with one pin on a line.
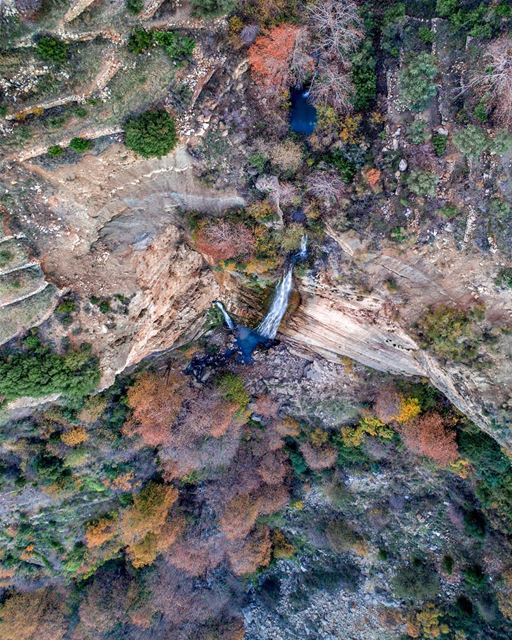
pixel 480 21
pixel 471 141
pixel 416 82
pixel 55 151
pixel 134 6
pixel 52 49
pixel 233 389
pixel 81 145
pixel 38 371
pixel 439 142
pixel 364 76
pixel 450 331
pixel 210 8
pixel 504 277
pixel 416 581
pixel 177 46
pixel 393 20
pixel 153 133
pixel 493 470
pixel 422 183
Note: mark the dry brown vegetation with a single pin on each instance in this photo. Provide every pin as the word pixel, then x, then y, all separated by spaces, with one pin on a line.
pixel 429 436
pixel 221 240
pixel 270 57
pixel 496 80
pixel 156 402
pixel 38 614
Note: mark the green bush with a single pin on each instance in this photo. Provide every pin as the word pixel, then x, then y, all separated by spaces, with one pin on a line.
pixel 233 389
pixel 52 49
pixel 446 8
pixel 474 577
pixel 449 211
pixel 80 145
pixel 344 164
pixel 500 143
pixel 481 21
pixel 364 76
pixel 416 582
pixel 472 141
pixel 66 306
pixel 37 371
pixel 178 47
pixel 393 20
pixel 493 471
pixel 258 161
pixel 140 40
pixel 55 151
pixel 481 111
pixel 134 6
pixel 5 257
pixel 152 133
pixel 450 331
pixel 474 523
pixel 297 461
pixel 79 111
pixel 426 35
pixel 498 208
pixel 416 82
pixel 439 142
pixel 422 183
pixel 417 132
pixel 448 564
pixel 211 8
pixel 503 279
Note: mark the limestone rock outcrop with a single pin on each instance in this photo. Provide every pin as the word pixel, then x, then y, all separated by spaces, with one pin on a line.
pixel 336 319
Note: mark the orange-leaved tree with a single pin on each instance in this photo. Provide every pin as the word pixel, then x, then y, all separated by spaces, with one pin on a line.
pixel 143 526
pixel 222 240
pixel 428 436
pixel 156 402
pixel 270 56
pixel 39 615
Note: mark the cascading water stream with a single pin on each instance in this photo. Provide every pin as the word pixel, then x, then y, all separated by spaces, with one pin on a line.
pixel 270 324
pixel 227 318
pixel 248 339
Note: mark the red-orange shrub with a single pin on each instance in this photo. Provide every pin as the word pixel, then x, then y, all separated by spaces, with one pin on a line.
pixel 248 555
pixel 270 56
pixel 428 436
pixel 221 240
pixel 156 402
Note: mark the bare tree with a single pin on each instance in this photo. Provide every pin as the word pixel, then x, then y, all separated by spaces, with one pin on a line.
pixel 332 86
pixel 302 64
pixel 338 26
pixel 280 193
pixel 338 29
pixel 326 186
pixel 497 78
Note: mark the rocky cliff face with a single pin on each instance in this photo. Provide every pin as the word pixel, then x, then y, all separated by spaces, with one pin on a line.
pixel 368 324
pixel 113 228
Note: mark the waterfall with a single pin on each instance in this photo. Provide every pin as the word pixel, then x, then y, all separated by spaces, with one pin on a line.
pixel 248 339
pixel 227 318
pixel 270 323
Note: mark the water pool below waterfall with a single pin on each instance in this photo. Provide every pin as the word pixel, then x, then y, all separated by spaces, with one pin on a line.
pixel 302 112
